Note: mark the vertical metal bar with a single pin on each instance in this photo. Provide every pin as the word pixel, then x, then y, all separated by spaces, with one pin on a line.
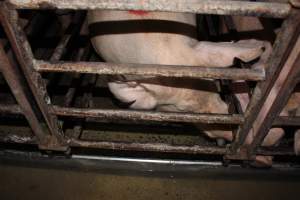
pixel 21 47
pixel 284 41
pixel 13 77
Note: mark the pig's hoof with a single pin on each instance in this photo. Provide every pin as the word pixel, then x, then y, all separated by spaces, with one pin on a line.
pixel 262 162
pixel 221 142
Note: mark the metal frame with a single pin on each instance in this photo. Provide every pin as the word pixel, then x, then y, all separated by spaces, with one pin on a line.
pixel 283 57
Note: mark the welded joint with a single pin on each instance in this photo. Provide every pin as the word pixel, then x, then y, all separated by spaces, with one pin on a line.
pixel 53 144
pixel 242 153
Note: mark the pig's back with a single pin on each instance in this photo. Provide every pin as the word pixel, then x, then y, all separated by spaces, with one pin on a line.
pixel 143 37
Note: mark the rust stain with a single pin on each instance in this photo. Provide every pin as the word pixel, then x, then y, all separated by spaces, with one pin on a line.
pixel 138 12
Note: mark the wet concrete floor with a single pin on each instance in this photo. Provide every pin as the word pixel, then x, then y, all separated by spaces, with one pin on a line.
pixel 39 183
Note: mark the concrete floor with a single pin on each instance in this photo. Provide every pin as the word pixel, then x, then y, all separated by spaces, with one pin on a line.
pixel 38 183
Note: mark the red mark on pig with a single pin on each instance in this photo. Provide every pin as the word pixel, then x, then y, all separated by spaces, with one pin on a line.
pixel 138 12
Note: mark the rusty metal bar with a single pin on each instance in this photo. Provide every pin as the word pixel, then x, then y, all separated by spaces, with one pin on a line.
pixel 10 109
pixel 151 70
pixel 18 139
pixel 14 79
pixel 162 147
pixel 260 9
pixel 279 121
pixel 60 48
pixel 278 96
pixel 83 54
pixel 275 151
pixel 286 121
pixel 108 114
pixel 285 39
pixel 17 38
pixel 156 147
pixel 74 26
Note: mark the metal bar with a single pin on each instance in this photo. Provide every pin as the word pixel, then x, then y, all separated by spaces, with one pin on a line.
pixel 153 167
pixel 150 70
pixel 83 54
pixel 10 109
pixel 275 151
pixel 17 38
pixel 18 139
pixel 286 121
pixel 108 114
pixel 285 39
pixel 162 147
pixel 279 121
pixel 278 97
pixel 156 147
pixel 14 79
pixel 60 48
pixel 261 9
pixel 73 28
pixel 68 37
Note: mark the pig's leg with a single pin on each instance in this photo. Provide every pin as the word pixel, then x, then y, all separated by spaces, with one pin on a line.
pixel 216 105
pixel 223 54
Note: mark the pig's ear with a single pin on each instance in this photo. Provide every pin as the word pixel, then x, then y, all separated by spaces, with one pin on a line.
pixel 223 54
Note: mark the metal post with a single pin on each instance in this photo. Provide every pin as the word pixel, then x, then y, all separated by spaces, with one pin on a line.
pixel 14 79
pixel 17 38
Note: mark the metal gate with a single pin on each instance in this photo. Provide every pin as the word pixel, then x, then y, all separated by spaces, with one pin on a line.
pixel 43 117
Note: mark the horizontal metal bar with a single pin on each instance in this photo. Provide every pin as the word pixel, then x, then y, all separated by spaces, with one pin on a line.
pixel 11 109
pixel 263 9
pixel 149 160
pixel 158 168
pixel 280 121
pixel 273 151
pixel 151 70
pixel 108 114
pixel 287 121
pixel 156 147
pixel 18 139
pixel 162 147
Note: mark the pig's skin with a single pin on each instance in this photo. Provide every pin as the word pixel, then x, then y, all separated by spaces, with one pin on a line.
pixel 169 49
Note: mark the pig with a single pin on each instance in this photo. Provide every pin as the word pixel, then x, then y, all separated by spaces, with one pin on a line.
pixel 167 39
